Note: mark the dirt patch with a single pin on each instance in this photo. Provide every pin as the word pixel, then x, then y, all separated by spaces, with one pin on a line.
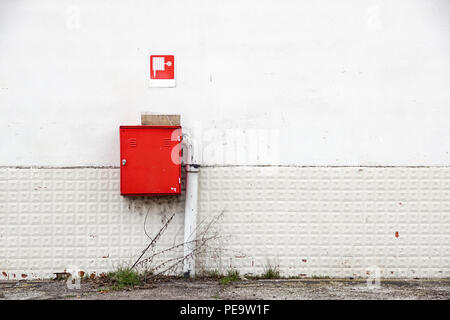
pixel 302 289
pixel 41 290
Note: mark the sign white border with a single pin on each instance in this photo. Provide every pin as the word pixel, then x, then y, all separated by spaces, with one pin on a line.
pixel 162 83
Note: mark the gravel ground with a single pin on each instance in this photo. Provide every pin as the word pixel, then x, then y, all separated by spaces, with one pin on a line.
pixel 248 289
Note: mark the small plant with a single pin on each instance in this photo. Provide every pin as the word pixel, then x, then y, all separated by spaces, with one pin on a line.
pixel 232 275
pixel 271 272
pixel 214 274
pixel 124 277
pixel 145 275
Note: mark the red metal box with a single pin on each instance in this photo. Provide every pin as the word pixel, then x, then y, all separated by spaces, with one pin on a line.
pixel 150 160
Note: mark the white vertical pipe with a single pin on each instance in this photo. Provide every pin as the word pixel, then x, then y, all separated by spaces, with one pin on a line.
pixel 190 219
pixel 191 161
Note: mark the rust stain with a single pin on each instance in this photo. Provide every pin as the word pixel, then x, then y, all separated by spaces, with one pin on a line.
pixel 92 276
pixel 396 234
pixel 105 257
pixel 253 263
pixel 304 260
pixel 360 170
pixel 4 274
pixel 24 275
pixel 81 273
pixel 302 274
pixel 400 203
pixel 239 257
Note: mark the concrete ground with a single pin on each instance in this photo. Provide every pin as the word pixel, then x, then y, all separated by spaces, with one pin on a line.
pixel 247 289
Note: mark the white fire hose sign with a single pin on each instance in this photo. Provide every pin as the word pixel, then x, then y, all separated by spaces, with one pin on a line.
pixel 162 71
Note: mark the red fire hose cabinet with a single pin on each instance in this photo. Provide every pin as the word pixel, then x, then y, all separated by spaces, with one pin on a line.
pixel 150 160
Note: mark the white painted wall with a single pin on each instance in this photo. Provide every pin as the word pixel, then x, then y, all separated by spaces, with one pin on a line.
pixel 356 82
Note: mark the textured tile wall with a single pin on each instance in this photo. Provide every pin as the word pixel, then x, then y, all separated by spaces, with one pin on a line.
pixel 338 222
pixel 53 219
pixel 310 221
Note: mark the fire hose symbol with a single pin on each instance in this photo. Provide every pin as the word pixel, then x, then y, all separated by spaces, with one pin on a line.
pixel 158 64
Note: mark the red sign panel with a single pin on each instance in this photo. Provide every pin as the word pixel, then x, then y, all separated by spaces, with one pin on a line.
pixel 162 67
